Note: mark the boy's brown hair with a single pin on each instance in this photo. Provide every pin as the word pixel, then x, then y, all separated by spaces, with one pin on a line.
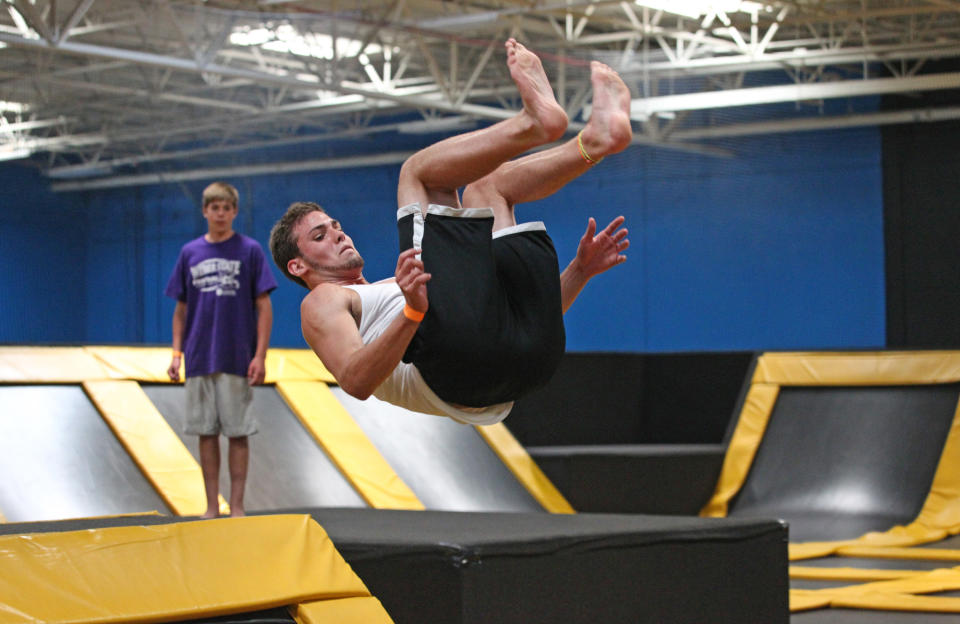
pixel 221 190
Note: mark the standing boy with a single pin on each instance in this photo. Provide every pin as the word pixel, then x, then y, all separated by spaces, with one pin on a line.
pixel 221 326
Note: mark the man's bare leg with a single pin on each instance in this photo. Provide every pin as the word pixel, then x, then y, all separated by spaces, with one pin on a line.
pixel 434 174
pixel 540 175
pixel 238 458
pixel 210 468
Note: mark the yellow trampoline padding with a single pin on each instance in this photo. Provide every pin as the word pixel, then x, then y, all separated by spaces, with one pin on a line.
pixel 516 458
pixel 295 365
pixel 48 365
pixel 136 363
pixel 152 444
pixel 78 364
pixel 807 599
pixel 896 594
pixel 916 554
pixel 899 602
pixel 743 447
pixel 860 368
pixel 812 573
pixel 367 610
pixel 898 536
pixel 160 573
pixel 347 445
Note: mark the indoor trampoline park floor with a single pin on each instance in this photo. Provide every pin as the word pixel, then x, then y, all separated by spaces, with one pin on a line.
pixel 855 453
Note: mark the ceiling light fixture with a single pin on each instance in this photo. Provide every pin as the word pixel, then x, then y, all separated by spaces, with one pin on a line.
pixel 14 107
pixel 698 8
pixel 286 39
pixel 15 153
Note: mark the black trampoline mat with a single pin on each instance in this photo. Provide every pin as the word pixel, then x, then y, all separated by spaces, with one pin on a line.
pixel 837 462
pixel 287 467
pixel 59 459
pixel 447 465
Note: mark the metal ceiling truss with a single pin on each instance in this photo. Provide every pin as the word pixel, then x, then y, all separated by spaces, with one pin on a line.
pixel 114 92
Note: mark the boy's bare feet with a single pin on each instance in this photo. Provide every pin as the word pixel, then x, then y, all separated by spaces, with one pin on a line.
pixel 539 102
pixel 608 130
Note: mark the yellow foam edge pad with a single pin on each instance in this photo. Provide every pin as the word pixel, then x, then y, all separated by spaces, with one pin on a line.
pixel 343 611
pixel 812 573
pixel 892 552
pixel 48 365
pixel 871 368
pixel 519 462
pixel 152 444
pixel 24 364
pixel 806 600
pixel 295 365
pixel 347 446
pixel 894 595
pixel 743 446
pixel 899 602
pixel 157 573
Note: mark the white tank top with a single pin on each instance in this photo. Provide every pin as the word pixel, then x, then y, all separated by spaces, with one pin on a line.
pixel 380 303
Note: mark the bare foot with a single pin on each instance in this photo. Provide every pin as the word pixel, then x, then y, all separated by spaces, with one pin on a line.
pixel 608 130
pixel 538 99
pixel 211 513
pixel 237 513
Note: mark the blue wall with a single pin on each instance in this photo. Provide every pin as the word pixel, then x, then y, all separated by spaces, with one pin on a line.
pixel 778 247
pixel 42 250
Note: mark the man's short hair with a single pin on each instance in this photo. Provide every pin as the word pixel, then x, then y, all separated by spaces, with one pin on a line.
pixel 221 190
pixel 283 246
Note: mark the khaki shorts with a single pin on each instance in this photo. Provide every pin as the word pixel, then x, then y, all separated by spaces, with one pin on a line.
pixel 219 403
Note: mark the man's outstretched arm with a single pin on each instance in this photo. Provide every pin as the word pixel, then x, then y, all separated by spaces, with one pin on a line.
pixel 595 254
pixel 331 331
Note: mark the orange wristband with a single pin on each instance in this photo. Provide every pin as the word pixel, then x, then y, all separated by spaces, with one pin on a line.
pixel 177 353
pixel 414 315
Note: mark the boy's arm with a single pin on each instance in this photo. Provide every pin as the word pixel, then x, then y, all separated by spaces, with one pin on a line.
pixel 331 331
pixel 179 320
pixel 257 369
pixel 595 254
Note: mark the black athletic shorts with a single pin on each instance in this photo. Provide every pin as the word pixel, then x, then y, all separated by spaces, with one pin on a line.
pixel 494 329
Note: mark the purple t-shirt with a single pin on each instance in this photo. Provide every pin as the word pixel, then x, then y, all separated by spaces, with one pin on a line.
pixel 220 283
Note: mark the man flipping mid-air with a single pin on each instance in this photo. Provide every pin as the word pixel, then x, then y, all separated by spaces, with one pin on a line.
pixel 473 317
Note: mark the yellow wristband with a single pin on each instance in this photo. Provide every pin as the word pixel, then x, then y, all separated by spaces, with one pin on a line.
pixel 413 315
pixel 177 353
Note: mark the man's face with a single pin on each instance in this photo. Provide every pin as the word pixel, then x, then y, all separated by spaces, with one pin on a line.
pixel 324 246
pixel 220 214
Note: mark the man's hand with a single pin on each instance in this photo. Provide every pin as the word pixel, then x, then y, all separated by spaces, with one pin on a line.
pixel 174 371
pixel 412 280
pixel 256 371
pixel 597 253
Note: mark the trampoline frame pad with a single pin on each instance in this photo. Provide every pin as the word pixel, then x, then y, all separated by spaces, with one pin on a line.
pixel 939 516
